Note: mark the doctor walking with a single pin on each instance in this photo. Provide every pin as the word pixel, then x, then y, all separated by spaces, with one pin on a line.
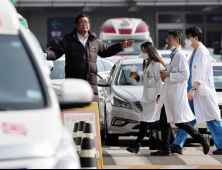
pixel 176 107
pixel 152 89
pixel 201 92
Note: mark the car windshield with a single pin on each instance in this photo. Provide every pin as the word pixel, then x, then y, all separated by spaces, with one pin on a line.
pixel 123 78
pixel 218 78
pixel 103 66
pixel 135 49
pixel 58 71
pixel 19 85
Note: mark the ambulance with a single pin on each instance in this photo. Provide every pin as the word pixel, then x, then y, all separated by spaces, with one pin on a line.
pixel 31 130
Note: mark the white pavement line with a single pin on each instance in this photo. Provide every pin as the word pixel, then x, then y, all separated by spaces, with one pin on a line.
pixel 195 157
pixel 181 167
pixel 116 167
pixel 113 148
pixel 127 138
pixel 122 157
pixel 189 148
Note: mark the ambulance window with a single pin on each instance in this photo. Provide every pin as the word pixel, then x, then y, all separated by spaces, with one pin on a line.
pixel 19 85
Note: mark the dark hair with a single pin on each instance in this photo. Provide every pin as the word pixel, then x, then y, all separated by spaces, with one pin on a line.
pixel 151 50
pixel 176 35
pixel 81 16
pixel 195 32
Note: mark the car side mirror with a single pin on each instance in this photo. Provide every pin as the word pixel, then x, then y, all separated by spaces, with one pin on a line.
pixel 103 83
pixel 75 93
pixel 51 65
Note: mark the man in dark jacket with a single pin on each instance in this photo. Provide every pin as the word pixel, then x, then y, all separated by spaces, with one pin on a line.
pixel 81 48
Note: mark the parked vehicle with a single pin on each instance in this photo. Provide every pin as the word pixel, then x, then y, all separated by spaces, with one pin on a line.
pixel 122 111
pixel 31 130
pixel 118 29
pixel 58 73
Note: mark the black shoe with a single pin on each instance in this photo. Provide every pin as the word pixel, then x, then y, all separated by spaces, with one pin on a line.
pixel 218 152
pixel 161 153
pixel 134 149
pixel 206 145
pixel 176 149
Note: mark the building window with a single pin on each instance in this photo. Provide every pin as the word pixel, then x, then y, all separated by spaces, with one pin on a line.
pixel 213 36
pixel 214 18
pixel 194 18
pixel 163 35
pixel 170 18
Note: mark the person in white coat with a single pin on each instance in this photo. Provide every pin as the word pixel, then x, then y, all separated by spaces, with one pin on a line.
pixel 152 89
pixel 201 92
pixel 174 97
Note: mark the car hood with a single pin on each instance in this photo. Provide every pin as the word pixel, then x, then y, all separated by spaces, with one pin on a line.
pixel 116 58
pixel 129 92
pixel 30 134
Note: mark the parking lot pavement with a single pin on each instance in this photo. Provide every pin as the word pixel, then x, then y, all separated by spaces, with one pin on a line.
pixel 193 158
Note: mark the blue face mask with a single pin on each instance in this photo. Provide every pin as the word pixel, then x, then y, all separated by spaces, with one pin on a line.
pixel 172 48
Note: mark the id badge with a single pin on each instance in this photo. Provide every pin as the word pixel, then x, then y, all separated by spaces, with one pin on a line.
pixel 174 70
pixel 150 78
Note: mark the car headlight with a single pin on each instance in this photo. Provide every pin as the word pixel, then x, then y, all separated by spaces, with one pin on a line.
pixel 66 156
pixel 117 101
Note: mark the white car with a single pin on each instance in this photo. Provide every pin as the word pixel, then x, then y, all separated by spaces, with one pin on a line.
pixel 217 57
pixel 58 73
pixel 31 130
pixel 188 52
pixel 117 30
pixel 23 21
pixel 122 111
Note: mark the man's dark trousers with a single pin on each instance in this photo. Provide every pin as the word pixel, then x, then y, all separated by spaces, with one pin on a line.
pixel 166 131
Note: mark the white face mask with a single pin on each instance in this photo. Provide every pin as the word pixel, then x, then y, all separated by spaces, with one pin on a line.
pixel 188 42
pixel 145 56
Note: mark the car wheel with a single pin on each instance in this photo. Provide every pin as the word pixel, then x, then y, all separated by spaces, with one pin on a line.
pixel 154 140
pixel 212 142
pixel 110 139
pixel 103 135
pixel 203 131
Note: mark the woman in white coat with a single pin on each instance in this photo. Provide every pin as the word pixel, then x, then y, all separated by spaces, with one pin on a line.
pixel 153 84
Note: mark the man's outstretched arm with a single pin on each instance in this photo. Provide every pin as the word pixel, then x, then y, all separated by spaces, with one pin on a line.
pixel 109 51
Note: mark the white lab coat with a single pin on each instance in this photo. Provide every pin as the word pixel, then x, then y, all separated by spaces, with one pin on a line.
pixel 152 88
pixel 205 98
pixel 174 95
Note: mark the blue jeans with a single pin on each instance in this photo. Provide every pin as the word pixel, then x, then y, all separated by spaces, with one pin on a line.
pixel 215 129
